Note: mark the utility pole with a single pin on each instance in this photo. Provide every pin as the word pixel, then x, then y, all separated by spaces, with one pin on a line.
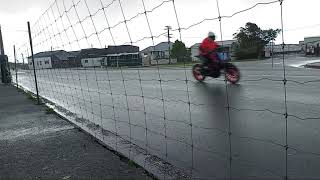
pixel 15 65
pixel 168 28
pixel 4 70
pixel 1 44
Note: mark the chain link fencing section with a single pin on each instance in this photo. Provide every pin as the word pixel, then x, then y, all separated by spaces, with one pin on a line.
pixel 159 117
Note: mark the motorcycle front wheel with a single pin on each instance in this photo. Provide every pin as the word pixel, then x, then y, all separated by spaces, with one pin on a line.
pixel 232 74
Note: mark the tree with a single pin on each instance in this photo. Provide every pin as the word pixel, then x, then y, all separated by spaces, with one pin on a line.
pixel 180 52
pixel 252 40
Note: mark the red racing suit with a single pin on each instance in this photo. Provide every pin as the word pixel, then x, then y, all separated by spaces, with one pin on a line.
pixel 207 49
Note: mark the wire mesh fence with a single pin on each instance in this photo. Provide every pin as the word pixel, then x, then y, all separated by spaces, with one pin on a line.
pixel 159 116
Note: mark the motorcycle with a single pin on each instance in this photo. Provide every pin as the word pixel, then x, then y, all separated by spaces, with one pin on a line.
pixel 214 70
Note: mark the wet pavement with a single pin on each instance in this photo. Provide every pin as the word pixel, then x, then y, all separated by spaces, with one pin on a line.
pixel 187 124
pixel 36 144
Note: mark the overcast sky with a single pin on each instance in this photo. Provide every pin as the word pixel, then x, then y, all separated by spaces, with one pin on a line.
pixel 300 20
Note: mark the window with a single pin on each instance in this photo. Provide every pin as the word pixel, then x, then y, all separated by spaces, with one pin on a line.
pixel 85 61
pixel 46 62
pixel 129 56
pixel 162 54
pixel 40 63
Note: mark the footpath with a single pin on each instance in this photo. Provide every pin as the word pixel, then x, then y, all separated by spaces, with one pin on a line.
pixel 37 144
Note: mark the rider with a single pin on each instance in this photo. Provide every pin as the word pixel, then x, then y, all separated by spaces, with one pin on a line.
pixel 207 49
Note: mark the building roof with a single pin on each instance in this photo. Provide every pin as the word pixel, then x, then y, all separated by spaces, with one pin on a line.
pixel 315 39
pixel 196 45
pixel 94 52
pixel 75 53
pixel 163 46
pixel 91 52
pixel 312 37
pixel 60 54
pixel 122 49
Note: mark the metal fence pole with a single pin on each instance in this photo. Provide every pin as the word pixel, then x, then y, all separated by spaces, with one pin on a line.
pixel 22 61
pixel 34 69
pixel 272 53
pixel 15 65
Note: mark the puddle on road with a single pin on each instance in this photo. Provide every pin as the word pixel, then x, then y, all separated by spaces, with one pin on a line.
pixel 302 63
pixel 14 134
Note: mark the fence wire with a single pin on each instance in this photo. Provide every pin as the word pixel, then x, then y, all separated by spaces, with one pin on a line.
pixel 157 110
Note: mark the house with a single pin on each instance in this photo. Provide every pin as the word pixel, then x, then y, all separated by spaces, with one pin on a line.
pixel 158 54
pixel 75 53
pixel 311 45
pixel 123 59
pixel 302 45
pixel 195 52
pixel 159 51
pixel 228 46
pixel 125 55
pixel 91 57
pixel 273 49
pixel 53 59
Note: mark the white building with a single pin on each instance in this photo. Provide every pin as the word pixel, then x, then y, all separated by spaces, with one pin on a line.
pixel 312 40
pixel 125 55
pixel 52 59
pixel 277 49
pixel 40 63
pixel 92 62
pixel 311 45
pixel 195 52
pixel 158 54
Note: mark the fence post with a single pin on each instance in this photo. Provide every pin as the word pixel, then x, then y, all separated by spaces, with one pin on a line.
pixel 22 61
pixel 272 53
pixel 15 65
pixel 34 69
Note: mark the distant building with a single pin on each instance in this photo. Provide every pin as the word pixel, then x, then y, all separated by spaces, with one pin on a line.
pixel 75 53
pixel 311 45
pixel 158 54
pixel 125 55
pixel 195 52
pixel 228 49
pixel 274 49
pixel 159 51
pixel 53 59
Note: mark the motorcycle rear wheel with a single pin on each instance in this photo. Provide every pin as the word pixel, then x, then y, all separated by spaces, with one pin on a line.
pixel 197 74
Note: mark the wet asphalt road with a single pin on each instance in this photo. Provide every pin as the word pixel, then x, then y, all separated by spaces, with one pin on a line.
pixel 196 136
